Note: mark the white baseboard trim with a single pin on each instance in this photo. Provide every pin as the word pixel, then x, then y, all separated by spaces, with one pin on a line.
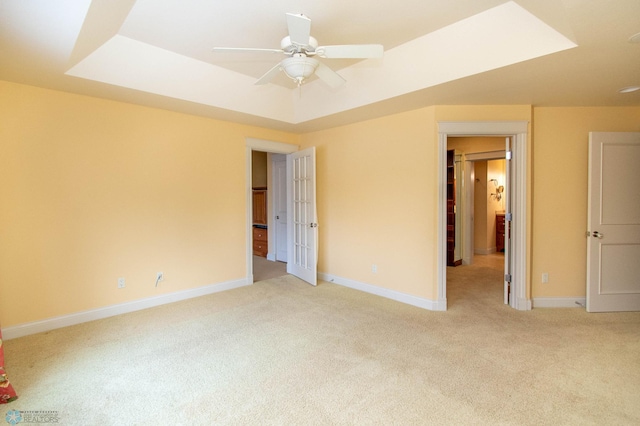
pixel 271 257
pixel 432 305
pixel 523 304
pixel 48 324
pixel 559 302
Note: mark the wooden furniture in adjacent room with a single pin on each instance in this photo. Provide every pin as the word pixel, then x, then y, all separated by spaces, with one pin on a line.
pixel 451 210
pixel 260 206
pixel 499 232
pixel 260 241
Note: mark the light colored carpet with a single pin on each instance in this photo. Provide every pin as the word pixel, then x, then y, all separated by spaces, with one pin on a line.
pixel 264 269
pixel 283 352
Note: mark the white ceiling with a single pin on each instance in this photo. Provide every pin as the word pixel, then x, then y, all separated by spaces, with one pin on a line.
pixel 158 53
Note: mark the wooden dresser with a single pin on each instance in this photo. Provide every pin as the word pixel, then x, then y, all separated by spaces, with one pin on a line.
pixel 499 231
pixel 260 243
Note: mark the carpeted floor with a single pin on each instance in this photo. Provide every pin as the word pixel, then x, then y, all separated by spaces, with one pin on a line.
pixel 283 352
pixel 264 269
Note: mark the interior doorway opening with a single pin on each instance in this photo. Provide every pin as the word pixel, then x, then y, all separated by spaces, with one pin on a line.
pixel 476 197
pixel 269 215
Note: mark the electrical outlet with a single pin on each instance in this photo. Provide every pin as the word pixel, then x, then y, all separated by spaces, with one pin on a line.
pixel 374 268
pixel 159 277
pixel 120 282
pixel 545 277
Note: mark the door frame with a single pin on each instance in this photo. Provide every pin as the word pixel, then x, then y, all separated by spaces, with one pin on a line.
pixel 519 248
pixel 274 147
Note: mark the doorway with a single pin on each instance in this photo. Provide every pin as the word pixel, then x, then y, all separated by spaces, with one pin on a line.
pixel 302 227
pixel 515 253
pixel 475 220
pixel 269 215
pixel 266 267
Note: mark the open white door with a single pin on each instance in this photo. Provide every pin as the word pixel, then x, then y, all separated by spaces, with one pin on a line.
pixel 279 181
pixel 303 226
pixel 613 248
pixel 508 299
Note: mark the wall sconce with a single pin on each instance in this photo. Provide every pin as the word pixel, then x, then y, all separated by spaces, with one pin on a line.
pixel 499 190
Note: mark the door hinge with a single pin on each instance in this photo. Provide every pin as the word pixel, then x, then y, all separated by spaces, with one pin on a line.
pixel 508 155
pixel 508 217
pixel 507 277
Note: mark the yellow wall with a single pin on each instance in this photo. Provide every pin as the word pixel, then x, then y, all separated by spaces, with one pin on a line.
pixel 377 201
pixel 259 169
pixel 92 190
pixel 481 231
pixel 560 157
pixel 378 195
pixel 476 144
pixel 377 189
pixel 496 169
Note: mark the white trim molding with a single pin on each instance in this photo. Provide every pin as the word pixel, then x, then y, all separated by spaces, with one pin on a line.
pixel 432 305
pixel 270 146
pixel 113 310
pixel 559 302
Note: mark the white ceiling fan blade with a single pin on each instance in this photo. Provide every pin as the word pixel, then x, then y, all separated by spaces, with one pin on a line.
pixel 270 75
pixel 299 28
pixel 244 50
pixel 329 76
pixel 351 51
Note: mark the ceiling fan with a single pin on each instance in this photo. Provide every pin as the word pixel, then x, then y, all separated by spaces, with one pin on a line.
pixel 300 48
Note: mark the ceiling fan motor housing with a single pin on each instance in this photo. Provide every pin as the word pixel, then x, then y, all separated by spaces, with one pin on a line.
pixel 288 46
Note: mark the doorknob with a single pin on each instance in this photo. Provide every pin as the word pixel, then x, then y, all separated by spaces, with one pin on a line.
pixel 597 234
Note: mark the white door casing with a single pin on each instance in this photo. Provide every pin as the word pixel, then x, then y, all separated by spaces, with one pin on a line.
pixel 613 246
pixel 303 225
pixel 519 129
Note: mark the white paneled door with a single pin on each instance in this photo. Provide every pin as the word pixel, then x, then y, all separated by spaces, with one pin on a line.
pixel 280 206
pixel 303 226
pixel 613 249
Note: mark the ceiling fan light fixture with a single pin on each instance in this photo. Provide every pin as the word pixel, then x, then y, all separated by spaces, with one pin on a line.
pixel 629 89
pixel 299 67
